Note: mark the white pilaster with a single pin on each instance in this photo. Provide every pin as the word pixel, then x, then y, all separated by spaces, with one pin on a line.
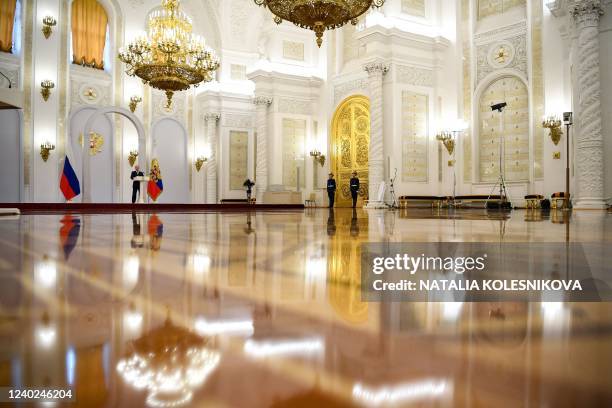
pixel 211 167
pixel 589 142
pixel 261 182
pixel 376 71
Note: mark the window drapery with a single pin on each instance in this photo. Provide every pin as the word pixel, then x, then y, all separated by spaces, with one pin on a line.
pixel 7 18
pixel 89 21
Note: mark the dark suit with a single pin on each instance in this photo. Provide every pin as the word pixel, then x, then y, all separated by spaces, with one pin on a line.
pixel 354 183
pixel 331 191
pixel 135 184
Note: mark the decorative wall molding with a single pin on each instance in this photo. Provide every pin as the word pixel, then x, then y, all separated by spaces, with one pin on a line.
pixel 376 67
pixel 214 116
pixel 295 106
pixel 160 111
pixel 414 76
pixel 345 88
pixel 293 50
pixel 9 66
pixel 518 61
pixel 501 33
pixel 237 120
pixel 89 86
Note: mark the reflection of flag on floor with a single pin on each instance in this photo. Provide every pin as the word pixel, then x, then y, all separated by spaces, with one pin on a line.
pixel 69 183
pixel 155 227
pixel 155 188
pixel 69 233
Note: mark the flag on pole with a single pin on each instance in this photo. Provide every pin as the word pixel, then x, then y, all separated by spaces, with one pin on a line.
pixel 155 185
pixel 69 183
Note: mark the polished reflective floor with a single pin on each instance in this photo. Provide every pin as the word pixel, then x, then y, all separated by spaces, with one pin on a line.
pixel 264 310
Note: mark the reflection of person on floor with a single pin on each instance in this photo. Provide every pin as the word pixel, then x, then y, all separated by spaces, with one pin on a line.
pixel 354 224
pixel 249 229
pixel 331 189
pixel 137 239
pixel 331 223
pixel 354 183
pixel 135 184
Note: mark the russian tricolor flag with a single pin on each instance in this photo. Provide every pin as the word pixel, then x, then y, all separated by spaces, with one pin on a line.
pixel 155 188
pixel 69 183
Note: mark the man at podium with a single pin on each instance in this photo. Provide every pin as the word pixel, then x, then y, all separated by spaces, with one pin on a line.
pixel 135 183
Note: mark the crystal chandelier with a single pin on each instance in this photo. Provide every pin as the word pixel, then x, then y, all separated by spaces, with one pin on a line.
pixel 170 58
pixel 319 15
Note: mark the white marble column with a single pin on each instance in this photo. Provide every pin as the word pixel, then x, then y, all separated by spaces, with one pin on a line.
pixel 589 146
pixel 211 167
pixel 376 71
pixel 261 175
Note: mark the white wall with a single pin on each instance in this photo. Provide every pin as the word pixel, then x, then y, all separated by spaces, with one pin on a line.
pixel 170 148
pixel 10 154
pixel 102 169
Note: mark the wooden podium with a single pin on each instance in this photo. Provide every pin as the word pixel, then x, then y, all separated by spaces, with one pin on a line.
pixel 143 188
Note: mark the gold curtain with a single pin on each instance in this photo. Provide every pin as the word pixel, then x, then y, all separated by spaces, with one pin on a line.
pixel 7 18
pixel 89 21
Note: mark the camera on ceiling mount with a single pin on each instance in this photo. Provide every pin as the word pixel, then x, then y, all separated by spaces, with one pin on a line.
pixel 499 106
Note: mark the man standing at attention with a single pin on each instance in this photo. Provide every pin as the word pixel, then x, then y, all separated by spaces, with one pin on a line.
pixel 136 184
pixel 331 189
pixel 354 183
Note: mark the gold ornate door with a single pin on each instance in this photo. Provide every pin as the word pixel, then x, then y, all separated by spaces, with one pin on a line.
pixel 350 147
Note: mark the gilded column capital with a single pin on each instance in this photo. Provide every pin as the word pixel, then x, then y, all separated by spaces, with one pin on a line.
pixel 212 116
pixel 586 12
pixel 377 67
pixel 262 101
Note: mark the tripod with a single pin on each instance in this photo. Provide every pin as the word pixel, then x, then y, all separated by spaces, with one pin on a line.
pixel 393 204
pixel 501 180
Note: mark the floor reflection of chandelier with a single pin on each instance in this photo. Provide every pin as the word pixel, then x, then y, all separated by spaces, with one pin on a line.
pixel 170 57
pixel 319 15
pixel 169 362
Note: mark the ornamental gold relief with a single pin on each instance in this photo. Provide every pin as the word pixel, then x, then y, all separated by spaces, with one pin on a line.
pixel 350 146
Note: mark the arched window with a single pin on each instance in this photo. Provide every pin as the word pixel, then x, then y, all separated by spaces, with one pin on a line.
pixel 7 21
pixel 89 33
pixel 512 123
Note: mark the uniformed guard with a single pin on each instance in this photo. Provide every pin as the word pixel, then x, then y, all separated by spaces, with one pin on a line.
pixel 354 183
pixel 331 189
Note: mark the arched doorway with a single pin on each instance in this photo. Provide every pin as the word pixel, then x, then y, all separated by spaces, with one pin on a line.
pixel 350 147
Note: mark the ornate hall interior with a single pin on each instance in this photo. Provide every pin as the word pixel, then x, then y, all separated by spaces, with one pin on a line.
pixel 166 171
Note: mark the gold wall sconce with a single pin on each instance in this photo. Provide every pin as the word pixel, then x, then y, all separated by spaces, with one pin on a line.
pixel 132 157
pixel 554 125
pixel 134 101
pixel 448 140
pixel 45 150
pixel 48 23
pixel 318 157
pixel 200 162
pixel 46 85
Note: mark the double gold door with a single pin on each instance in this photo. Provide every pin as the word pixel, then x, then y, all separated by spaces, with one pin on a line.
pixel 350 147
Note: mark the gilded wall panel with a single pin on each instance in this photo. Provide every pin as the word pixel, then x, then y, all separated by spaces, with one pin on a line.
pixel 513 126
pixel 467 90
pixel 238 151
pixel 414 7
pixel 493 7
pixel 537 88
pixel 294 139
pixel 415 109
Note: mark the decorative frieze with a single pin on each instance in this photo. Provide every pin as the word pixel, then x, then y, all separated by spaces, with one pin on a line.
pixel 414 76
pixel 294 106
pixel 236 120
pixel 293 50
pixel 345 88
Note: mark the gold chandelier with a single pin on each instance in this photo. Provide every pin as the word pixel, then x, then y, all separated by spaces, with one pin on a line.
pixel 319 15
pixel 170 58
